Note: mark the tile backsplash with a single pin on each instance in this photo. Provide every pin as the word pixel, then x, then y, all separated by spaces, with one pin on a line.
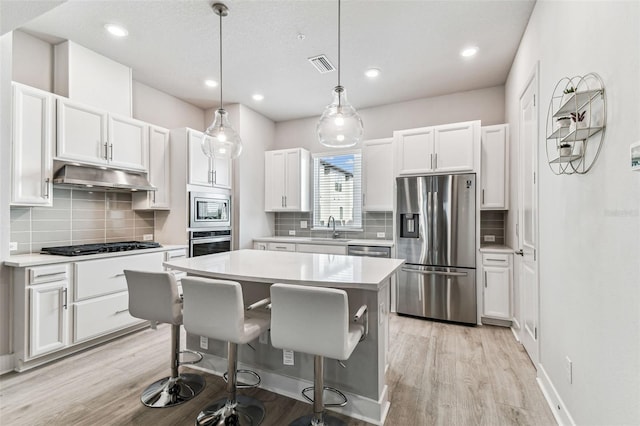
pixel 492 223
pixel 78 217
pixel 372 223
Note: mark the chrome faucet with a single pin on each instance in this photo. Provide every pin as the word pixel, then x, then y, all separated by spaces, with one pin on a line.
pixel 333 219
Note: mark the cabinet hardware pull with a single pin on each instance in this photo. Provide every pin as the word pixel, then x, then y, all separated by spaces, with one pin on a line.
pixel 485 279
pixel 46 187
pixel 106 150
pixel 111 150
pixel 154 196
pixel 214 177
pixel 495 260
pixel 121 311
pixel 448 274
pixel 483 196
pixel 282 201
pixel 280 247
pixel 436 155
pixel 285 201
pixel 64 298
pixel 431 160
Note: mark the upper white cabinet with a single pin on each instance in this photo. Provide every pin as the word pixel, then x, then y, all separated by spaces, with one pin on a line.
pixel 447 148
pixel 90 135
pixel 32 147
pixel 377 175
pixel 494 170
pixel 159 173
pixel 203 170
pixel 287 180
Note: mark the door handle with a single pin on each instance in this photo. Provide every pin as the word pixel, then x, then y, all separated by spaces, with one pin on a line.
pixel 520 253
pixel 448 274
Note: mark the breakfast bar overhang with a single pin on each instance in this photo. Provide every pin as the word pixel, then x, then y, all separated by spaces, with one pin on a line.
pixel 366 281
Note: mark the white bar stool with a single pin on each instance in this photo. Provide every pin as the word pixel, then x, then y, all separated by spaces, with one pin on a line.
pixel 327 333
pixel 154 296
pixel 215 309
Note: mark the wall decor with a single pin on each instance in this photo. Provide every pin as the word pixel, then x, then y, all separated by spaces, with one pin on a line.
pixel 576 121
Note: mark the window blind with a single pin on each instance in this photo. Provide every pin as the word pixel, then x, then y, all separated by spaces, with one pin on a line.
pixel 337 189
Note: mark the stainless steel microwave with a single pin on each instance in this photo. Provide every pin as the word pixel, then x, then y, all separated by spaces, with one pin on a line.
pixel 209 210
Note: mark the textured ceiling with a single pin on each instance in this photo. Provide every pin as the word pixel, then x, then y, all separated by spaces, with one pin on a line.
pixel 173 46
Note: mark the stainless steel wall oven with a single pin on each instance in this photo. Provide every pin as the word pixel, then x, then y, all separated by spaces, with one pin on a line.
pixel 209 242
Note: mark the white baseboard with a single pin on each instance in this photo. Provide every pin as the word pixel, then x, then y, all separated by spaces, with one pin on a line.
pixel 559 410
pixel 6 363
pixel 358 407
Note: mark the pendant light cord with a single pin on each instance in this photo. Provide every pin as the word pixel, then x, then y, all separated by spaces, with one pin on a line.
pixel 339 97
pixel 221 106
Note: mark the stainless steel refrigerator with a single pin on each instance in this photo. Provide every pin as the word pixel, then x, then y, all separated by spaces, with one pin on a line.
pixel 436 234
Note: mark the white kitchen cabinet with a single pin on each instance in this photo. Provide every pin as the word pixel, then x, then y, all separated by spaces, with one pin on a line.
pixel 92 136
pixel 377 175
pixel 497 282
pixel 203 170
pixel 287 180
pixel 32 147
pixel 48 309
pixel 281 246
pixel 159 173
pixel 446 148
pixel 321 248
pixel 494 167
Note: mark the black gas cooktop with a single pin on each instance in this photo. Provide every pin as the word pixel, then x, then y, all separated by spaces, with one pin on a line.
pixel 82 249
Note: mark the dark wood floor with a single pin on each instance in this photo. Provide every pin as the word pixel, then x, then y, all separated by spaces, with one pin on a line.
pixel 439 374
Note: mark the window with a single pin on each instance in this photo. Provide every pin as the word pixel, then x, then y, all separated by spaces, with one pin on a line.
pixel 337 189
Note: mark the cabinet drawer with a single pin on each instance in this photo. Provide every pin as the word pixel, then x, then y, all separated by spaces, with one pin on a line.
pixel 281 246
pixel 47 274
pixel 175 254
pixel 105 276
pixel 496 259
pixel 101 316
pixel 321 248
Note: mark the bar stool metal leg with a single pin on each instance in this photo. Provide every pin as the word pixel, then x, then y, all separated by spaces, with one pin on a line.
pixel 177 388
pixel 235 409
pixel 318 418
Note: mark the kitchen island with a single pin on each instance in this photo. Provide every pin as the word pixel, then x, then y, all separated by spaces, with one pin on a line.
pixel 366 281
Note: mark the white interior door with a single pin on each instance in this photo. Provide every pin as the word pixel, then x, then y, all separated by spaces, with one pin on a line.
pixel 528 218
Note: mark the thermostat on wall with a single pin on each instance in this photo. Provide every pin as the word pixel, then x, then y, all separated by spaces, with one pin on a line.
pixel 635 156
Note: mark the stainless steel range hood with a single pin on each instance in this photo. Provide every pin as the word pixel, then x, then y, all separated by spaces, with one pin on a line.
pixel 88 177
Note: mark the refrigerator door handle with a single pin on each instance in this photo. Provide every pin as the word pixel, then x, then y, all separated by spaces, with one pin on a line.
pixel 448 274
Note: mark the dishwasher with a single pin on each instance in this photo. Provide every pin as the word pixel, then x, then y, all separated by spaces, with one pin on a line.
pixel 376 251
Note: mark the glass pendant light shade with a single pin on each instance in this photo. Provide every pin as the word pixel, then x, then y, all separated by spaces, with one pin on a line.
pixel 340 126
pixel 220 140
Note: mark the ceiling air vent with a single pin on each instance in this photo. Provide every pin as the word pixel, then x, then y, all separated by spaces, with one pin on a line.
pixel 322 64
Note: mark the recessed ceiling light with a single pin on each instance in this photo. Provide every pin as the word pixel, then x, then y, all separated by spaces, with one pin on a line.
pixel 211 83
pixel 469 51
pixel 372 72
pixel 258 97
pixel 116 30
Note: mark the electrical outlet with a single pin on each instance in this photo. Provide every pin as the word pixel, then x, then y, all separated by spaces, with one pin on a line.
pixel 380 234
pixel 303 224
pixel 568 369
pixel 292 232
pixel 264 338
pixel 287 357
pixel 204 342
pixel 490 238
pixel 147 237
pixel 13 246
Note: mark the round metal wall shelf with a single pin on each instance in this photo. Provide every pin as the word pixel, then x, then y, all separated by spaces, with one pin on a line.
pixel 576 121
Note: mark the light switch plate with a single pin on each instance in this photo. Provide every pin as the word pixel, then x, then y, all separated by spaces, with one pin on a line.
pixel 13 246
pixel 303 224
pixel 287 357
pixel 292 232
pixel 380 234
pixel 147 237
pixel 490 238
pixel 204 342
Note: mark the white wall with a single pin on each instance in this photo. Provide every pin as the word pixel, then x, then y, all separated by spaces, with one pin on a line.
pixel 589 225
pixel 32 61
pixel 156 107
pixel 380 122
pixel 5 168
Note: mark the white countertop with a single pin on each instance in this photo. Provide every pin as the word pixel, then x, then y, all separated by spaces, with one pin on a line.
pixel 325 270
pixel 496 248
pixel 26 260
pixel 315 240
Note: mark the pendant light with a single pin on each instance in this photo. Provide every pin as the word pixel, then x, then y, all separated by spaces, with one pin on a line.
pixel 340 126
pixel 220 140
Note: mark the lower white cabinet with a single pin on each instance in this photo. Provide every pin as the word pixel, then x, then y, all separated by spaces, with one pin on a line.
pixel 59 308
pixel 281 246
pixel 321 248
pixel 497 282
pixel 48 309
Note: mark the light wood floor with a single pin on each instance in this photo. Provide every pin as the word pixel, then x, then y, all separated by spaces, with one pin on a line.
pixel 440 374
